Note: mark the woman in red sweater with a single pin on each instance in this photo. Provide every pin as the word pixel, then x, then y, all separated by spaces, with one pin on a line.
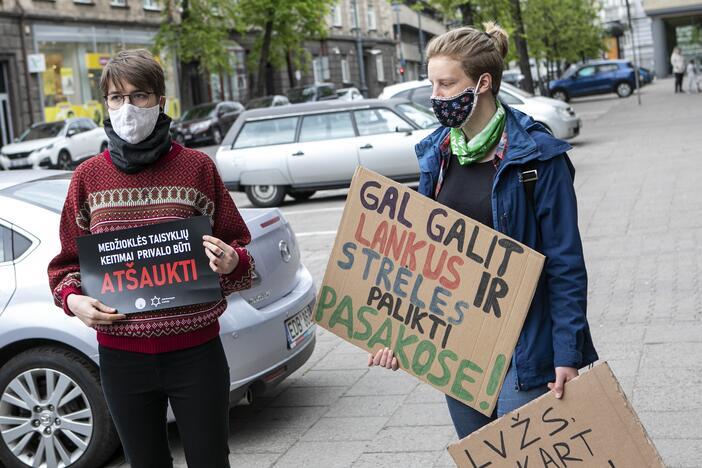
pixel 173 355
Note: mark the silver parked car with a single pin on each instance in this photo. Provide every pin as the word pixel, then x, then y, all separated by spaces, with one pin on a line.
pixel 558 117
pixel 299 149
pixel 52 411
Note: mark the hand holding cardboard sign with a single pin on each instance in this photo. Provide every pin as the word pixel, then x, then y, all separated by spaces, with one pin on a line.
pixel 383 358
pixel 223 257
pixel 91 311
pixel 563 375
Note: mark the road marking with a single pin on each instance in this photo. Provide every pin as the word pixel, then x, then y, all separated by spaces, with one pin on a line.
pixel 314 210
pixel 316 233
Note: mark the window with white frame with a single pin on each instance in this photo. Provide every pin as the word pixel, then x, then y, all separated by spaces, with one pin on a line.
pixel 345 71
pixel 379 67
pixel 151 5
pixel 119 3
pixel 372 26
pixel 336 16
pixel 320 69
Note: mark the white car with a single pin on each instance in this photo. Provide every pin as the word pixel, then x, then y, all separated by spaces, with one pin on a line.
pixel 297 150
pixel 349 94
pixel 54 145
pixel 558 117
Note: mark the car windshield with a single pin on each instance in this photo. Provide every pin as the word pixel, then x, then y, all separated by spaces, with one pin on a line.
pixel 303 94
pixel 419 115
pixel 569 72
pixel 198 112
pixel 49 193
pixel 260 102
pixel 45 130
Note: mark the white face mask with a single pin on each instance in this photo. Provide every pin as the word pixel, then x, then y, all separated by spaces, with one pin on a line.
pixel 133 124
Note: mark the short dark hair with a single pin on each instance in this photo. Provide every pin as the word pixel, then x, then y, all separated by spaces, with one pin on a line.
pixel 135 66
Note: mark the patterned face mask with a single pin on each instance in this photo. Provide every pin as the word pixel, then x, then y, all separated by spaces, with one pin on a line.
pixel 454 111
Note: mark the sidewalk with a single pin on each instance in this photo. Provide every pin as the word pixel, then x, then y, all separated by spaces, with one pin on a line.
pixel 641 220
pixel 638 176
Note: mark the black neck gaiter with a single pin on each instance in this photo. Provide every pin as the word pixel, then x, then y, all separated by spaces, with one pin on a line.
pixel 132 158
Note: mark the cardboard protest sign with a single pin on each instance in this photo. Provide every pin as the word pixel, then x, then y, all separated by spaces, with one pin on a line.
pixel 447 294
pixel 593 425
pixel 149 268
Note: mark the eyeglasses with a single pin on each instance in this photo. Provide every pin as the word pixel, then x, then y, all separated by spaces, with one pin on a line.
pixel 115 100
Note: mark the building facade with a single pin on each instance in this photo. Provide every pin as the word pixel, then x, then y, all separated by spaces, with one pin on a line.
pixel 675 23
pixel 635 43
pixel 52 53
pixel 389 34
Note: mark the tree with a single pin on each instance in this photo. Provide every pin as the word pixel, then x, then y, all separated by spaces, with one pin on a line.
pixel 520 41
pixel 197 31
pixel 563 31
pixel 281 27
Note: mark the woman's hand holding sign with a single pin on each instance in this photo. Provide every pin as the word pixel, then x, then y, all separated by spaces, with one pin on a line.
pixel 223 257
pixel 383 358
pixel 91 311
pixel 563 375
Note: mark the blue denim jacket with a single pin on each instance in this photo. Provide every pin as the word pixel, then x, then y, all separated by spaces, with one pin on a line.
pixel 555 332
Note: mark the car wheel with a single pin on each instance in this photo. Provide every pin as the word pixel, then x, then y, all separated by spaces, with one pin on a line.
pixel 64 160
pixel 302 195
pixel 265 196
pixel 52 412
pixel 103 147
pixel 561 95
pixel 216 136
pixel 624 89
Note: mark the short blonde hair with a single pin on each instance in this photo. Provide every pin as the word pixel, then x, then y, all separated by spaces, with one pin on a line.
pixel 479 52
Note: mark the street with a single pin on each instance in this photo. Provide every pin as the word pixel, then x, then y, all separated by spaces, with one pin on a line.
pixel 640 215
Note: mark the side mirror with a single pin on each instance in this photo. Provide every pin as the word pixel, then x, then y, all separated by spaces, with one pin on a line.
pixel 71 132
pixel 574 77
pixel 405 130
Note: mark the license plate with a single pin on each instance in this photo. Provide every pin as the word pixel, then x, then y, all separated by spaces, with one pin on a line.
pixel 298 327
pixel 18 162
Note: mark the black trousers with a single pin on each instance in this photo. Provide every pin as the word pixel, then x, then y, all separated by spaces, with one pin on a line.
pixel 678 82
pixel 195 381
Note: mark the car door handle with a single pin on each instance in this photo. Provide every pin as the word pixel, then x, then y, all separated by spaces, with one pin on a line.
pixel 299 153
pixel 367 146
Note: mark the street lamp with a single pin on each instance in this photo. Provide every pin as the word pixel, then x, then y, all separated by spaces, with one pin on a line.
pixel 423 65
pixel 636 56
pixel 359 49
pixel 396 6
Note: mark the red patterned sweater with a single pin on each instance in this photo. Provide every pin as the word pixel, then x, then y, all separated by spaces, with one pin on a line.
pixel 181 184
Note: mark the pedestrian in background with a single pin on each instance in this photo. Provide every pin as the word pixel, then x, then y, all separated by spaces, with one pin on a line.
pixel 691 77
pixel 475 163
pixel 678 63
pixel 173 356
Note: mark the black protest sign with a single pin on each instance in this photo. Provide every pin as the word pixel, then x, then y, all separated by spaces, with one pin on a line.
pixel 149 268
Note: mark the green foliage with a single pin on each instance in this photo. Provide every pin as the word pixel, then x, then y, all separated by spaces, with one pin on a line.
pixel 292 22
pixel 555 29
pixel 197 31
pixel 563 30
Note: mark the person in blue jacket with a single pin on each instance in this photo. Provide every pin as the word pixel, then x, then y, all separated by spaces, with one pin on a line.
pixel 480 162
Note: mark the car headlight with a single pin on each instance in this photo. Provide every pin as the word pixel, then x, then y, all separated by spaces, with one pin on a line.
pixel 565 112
pixel 200 127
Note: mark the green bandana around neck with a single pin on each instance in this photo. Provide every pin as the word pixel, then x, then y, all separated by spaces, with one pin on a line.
pixel 470 151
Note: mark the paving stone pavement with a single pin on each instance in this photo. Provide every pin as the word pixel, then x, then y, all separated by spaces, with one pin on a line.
pixel 640 202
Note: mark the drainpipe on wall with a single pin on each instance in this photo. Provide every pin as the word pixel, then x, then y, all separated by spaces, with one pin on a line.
pixel 27 77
